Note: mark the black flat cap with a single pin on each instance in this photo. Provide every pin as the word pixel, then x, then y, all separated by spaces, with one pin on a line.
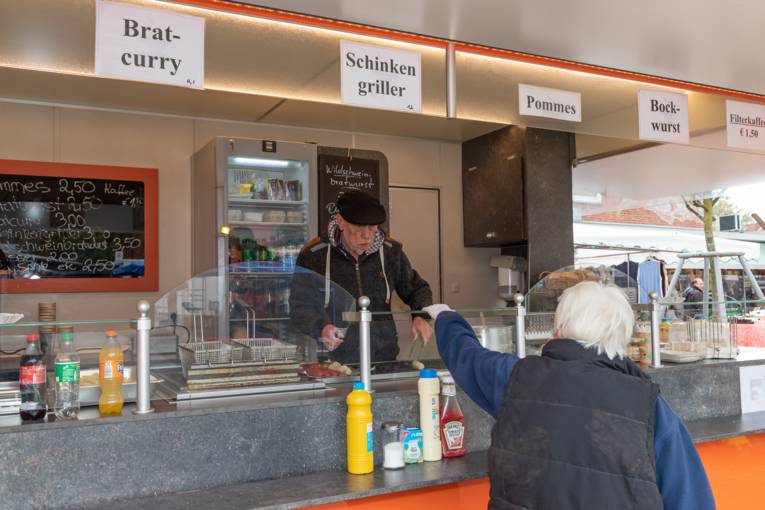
pixel 360 208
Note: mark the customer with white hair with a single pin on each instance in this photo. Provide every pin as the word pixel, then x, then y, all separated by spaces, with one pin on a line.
pixel 580 426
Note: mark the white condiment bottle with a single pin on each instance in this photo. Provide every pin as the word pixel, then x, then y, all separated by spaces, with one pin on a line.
pixel 428 387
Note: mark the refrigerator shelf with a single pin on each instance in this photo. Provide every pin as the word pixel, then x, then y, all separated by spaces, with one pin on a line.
pixel 265 203
pixel 265 224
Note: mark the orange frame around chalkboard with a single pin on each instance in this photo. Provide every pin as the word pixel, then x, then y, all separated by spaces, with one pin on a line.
pixel 148 176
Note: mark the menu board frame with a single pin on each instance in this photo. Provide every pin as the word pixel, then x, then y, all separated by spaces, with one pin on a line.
pixel 148 176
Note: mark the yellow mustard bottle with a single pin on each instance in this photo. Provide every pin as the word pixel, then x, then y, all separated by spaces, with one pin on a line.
pixel 359 428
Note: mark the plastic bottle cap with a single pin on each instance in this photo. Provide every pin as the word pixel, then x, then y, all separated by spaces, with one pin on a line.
pixel 33 337
pixel 358 385
pixel 111 332
pixel 428 373
pixel 447 379
pixel 67 337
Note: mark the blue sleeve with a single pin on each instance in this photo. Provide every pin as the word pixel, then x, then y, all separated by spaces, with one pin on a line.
pixel 481 373
pixel 679 472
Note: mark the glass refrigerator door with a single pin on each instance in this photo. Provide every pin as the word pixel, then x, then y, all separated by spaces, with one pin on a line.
pixel 268 214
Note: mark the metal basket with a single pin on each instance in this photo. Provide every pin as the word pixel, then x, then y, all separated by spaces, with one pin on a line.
pixel 209 353
pixel 267 350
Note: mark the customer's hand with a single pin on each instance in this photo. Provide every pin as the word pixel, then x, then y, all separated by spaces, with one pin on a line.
pixel 434 310
pixel 332 336
pixel 420 326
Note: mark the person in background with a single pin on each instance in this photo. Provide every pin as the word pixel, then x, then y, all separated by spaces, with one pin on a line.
pixel 580 426
pixel 356 255
pixel 694 296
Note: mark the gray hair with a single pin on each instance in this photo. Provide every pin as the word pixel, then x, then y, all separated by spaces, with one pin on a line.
pixel 597 316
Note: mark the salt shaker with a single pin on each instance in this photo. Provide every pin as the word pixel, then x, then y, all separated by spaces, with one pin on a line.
pixel 393 445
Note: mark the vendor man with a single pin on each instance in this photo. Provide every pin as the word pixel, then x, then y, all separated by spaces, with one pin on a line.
pixel 356 255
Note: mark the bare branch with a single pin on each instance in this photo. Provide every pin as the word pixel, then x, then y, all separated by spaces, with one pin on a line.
pixel 691 209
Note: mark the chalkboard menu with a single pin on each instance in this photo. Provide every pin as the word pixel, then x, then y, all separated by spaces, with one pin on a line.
pixel 342 170
pixel 67 228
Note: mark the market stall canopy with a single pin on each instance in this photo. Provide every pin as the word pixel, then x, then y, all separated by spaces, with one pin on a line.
pixel 604 242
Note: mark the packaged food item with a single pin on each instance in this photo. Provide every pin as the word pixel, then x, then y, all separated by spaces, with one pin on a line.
pixel 413 445
pixel 235 215
pixel 275 189
pixel 275 216
pixel 294 190
pixel 260 188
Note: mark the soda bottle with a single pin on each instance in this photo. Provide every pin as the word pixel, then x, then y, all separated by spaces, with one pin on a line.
pixel 67 372
pixel 110 370
pixel 452 422
pixel 32 381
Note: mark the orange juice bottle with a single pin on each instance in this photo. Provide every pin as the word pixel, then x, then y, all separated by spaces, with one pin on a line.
pixel 110 369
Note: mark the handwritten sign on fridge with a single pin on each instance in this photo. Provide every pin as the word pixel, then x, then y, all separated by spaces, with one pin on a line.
pixel 341 173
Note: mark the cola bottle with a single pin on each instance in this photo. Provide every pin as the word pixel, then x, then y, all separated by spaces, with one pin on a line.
pixel 32 381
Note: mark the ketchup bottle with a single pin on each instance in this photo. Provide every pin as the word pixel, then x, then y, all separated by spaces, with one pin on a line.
pixel 452 423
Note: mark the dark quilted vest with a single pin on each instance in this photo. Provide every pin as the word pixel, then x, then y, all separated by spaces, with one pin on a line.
pixel 575 432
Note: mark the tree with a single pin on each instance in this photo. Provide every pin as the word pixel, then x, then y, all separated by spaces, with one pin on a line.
pixel 704 209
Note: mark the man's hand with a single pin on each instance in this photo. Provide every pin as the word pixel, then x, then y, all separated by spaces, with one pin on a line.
pixel 434 310
pixel 332 337
pixel 420 326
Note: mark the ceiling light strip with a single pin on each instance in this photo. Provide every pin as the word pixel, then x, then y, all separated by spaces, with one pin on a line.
pixel 397 35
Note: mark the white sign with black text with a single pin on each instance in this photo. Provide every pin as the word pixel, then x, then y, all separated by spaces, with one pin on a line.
pixel 663 116
pixel 153 45
pixel 551 103
pixel 379 77
pixel 746 125
pixel 752 380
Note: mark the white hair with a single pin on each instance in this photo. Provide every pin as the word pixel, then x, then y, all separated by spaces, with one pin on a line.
pixel 596 316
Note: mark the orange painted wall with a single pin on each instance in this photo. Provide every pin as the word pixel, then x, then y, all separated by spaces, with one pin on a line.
pixel 736 470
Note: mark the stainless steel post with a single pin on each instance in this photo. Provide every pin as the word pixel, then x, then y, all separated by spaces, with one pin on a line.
pixel 722 314
pixel 143 376
pixel 365 349
pixel 520 326
pixel 705 294
pixel 655 330
pixel 675 276
pixel 752 279
pixel 451 82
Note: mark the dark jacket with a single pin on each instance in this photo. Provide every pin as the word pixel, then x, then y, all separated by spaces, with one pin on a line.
pixel 575 433
pixel 484 375
pixel 694 297
pixel 307 296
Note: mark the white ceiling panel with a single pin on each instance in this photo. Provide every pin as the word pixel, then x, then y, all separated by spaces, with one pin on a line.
pixel 714 43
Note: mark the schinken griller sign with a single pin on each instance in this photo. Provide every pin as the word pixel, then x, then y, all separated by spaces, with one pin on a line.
pixel 379 77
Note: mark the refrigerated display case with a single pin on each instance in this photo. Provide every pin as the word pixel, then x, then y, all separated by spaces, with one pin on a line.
pixel 253 204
